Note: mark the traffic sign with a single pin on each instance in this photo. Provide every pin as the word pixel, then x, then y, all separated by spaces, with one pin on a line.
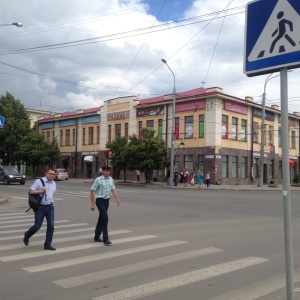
pixel 1 122
pixel 272 36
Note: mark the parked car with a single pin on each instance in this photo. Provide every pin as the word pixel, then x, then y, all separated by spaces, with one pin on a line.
pixel 61 174
pixel 9 174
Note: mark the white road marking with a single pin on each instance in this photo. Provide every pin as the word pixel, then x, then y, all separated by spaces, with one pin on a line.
pixel 72 248
pixel 257 290
pixel 43 228
pixel 11 218
pixel 97 257
pixel 182 279
pixel 43 234
pixel 28 222
pixel 60 240
pixel 22 221
pixel 124 270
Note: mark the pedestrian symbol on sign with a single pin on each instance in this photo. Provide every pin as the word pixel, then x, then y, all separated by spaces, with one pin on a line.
pixel 280 35
pixel 281 30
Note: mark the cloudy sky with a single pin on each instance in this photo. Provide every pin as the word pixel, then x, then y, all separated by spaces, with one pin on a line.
pixel 77 54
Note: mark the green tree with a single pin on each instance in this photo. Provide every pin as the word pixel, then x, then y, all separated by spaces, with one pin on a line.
pixel 117 147
pixel 147 153
pixel 16 126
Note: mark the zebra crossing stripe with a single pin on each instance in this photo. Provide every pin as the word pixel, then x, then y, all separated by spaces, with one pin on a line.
pixel 257 290
pixel 182 279
pixel 11 218
pixel 12 214
pixel 125 270
pixel 64 239
pixel 72 248
pixel 43 234
pixel 97 257
pixel 28 222
pixel 43 228
pixel 22 221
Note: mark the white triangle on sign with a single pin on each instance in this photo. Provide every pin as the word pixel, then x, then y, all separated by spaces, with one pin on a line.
pixel 285 38
pixel 1 125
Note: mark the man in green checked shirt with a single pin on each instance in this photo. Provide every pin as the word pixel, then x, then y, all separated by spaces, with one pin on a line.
pixel 101 189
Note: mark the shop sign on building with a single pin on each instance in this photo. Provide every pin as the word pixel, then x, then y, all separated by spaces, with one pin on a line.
pixel 118 115
pixel 150 111
pixel 90 119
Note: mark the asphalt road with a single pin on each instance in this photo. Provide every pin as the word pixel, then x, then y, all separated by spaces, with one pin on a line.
pixel 167 244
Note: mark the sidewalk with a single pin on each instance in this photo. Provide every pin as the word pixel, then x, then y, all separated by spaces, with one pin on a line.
pixel 164 185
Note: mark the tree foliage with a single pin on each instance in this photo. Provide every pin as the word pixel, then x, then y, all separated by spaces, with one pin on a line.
pixel 145 154
pixel 19 142
pixel 16 126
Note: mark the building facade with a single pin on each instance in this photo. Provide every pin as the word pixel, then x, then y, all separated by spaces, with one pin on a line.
pixel 213 132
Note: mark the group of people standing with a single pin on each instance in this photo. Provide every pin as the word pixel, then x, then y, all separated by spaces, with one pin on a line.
pixel 189 178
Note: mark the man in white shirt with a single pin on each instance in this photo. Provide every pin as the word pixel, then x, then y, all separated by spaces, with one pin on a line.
pixel 45 210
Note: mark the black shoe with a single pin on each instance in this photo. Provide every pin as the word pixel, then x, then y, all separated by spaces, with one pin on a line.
pixel 107 242
pixel 26 240
pixel 49 247
pixel 98 239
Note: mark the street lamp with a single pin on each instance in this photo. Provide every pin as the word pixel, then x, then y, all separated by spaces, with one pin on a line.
pixel 14 24
pixel 262 144
pixel 172 130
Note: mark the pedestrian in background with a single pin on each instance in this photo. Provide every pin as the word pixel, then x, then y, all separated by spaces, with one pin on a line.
pixel 192 178
pixel 101 190
pixel 200 178
pixel 45 210
pixel 186 178
pixel 181 175
pixel 138 174
pixel 207 179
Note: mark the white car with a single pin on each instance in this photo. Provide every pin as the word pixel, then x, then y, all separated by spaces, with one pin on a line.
pixel 61 174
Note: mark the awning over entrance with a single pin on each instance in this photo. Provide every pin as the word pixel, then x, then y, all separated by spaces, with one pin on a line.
pixel 292 163
pixel 88 158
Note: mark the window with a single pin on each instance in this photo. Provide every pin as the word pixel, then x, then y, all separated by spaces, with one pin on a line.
pixel 244 170
pixel 201 126
pixel 279 137
pixel 189 127
pixel 293 140
pixel 244 131
pixel 188 163
pixel 271 169
pixel 201 162
pixel 280 170
pixel 176 128
pixel 160 128
pixel 140 129
pixel 126 130
pixel 271 135
pixel 98 135
pixel 52 135
pixel 68 137
pixel 234 166
pixel 234 132
pixel 225 166
pixel 74 137
pixel 91 135
pixel 224 129
pixel 61 137
pixel 150 124
pixel 48 136
pixel 83 136
pixel 109 134
pixel 255 132
pixel 117 130
pixel 256 168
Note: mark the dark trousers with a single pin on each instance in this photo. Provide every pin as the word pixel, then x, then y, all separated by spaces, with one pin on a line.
pixel 39 215
pixel 101 227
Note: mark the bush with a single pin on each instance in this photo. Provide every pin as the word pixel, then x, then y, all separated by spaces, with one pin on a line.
pixel 296 179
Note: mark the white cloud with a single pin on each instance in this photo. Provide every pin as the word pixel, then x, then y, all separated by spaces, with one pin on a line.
pixel 118 66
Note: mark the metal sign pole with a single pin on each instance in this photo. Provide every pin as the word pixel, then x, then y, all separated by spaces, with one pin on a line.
pixel 286 186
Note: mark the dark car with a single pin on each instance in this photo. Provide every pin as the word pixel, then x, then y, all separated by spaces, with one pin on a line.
pixel 9 174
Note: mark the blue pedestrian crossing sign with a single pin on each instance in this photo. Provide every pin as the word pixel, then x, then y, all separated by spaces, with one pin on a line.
pixel 272 36
pixel 1 122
